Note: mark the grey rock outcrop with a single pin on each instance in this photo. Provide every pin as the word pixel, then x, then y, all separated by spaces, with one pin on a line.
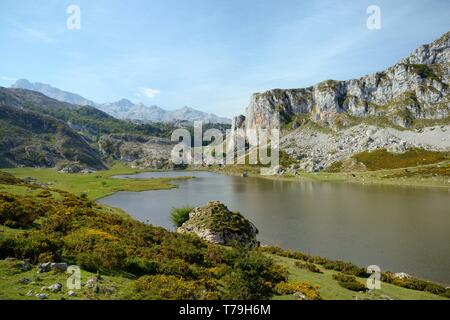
pixel 216 224
pixel 316 150
pixel 138 151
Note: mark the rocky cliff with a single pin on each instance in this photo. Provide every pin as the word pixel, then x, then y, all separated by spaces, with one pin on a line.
pixel 137 150
pixel 413 90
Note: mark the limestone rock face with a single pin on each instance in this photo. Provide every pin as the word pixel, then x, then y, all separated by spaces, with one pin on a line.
pixel 216 224
pixel 417 87
pixel 238 123
pixel 139 151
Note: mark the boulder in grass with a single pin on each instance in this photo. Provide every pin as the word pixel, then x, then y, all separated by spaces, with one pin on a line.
pixel 216 224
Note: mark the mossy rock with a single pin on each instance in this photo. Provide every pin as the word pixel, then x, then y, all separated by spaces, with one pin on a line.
pixel 216 224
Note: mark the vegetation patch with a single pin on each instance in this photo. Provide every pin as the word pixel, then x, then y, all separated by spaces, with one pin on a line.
pixel 94 185
pixel 349 282
pixel 308 266
pixel 336 265
pixel 348 273
pixel 437 171
pixel 58 226
pixel 9 179
pixel 163 287
pixel 416 284
pixel 180 216
pixel 424 71
pixel 382 159
pixel 310 292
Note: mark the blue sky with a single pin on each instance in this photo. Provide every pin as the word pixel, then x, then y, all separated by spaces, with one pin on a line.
pixel 207 54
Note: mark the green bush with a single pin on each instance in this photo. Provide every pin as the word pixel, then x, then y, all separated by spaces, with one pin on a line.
pixel 349 282
pixel 312 293
pixel 163 287
pixel 140 266
pixel 414 284
pixel 341 266
pixel 20 212
pixel 254 277
pixel 180 216
pixel 308 266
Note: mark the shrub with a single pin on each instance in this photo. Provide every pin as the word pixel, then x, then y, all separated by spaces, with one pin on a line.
pixel 19 211
pixel 8 178
pixel 174 288
pixel 307 265
pixel 312 293
pixel 349 282
pixel 44 194
pixel 140 266
pixel 254 277
pixel 341 266
pixel 31 246
pixel 180 216
pixel 413 283
pixel 345 267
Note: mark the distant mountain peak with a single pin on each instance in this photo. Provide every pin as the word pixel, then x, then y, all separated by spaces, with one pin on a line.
pixel 124 108
pixel 124 103
pixel 21 83
pixel 53 92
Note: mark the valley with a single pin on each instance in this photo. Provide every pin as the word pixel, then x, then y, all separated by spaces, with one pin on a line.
pixel 363 176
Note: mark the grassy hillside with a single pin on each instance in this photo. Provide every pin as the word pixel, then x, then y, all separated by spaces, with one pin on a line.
pixel 135 260
pixel 43 222
pixel 86 119
pixel 331 290
pixel 94 185
pixel 33 139
pixel 38 131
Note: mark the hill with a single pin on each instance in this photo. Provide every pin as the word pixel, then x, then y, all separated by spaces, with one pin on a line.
pixel 41 131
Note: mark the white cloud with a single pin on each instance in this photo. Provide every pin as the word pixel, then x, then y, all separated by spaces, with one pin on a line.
pixel 150 93
pixel 25 31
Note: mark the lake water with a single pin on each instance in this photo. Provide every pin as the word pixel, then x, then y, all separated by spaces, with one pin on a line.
pixel 397 228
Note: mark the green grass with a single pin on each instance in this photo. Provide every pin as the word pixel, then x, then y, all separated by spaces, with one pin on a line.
pixel 95 185
pixel 178 216
pixel 381 159
pixel 331 290
pixel 11 287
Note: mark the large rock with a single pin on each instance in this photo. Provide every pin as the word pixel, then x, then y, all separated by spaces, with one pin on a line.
pixel 216 224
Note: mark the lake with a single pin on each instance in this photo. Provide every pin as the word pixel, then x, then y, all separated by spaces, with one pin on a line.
pixel 401 229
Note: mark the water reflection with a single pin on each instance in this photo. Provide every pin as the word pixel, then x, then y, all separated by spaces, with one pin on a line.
pixel 400 229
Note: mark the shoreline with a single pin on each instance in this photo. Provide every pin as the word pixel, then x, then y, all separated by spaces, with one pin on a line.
pixel 359 178
pixel 131 171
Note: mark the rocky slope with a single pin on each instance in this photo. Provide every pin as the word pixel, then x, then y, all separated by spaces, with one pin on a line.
pixel 31 139
pixel 216 224
pixel 405 106
pixel 39 131
pixel 315 150
pixel 136 150
pixel 53 92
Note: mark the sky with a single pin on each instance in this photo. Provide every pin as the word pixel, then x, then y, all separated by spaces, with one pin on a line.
pixel 211 55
